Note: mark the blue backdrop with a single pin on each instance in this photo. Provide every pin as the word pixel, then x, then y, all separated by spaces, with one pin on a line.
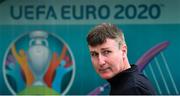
pixel 156 25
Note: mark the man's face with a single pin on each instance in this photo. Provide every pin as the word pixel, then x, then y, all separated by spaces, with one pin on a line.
pixel 107 58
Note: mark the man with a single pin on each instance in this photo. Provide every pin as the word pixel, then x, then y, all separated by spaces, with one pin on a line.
pixel 109 57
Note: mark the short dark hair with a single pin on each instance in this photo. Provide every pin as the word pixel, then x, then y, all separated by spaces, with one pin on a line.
pixel 101 32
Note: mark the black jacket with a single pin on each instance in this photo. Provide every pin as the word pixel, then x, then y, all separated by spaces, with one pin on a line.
pixel 130 82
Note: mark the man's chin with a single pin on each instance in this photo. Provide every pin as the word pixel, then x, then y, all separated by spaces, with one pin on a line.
pixel 106 76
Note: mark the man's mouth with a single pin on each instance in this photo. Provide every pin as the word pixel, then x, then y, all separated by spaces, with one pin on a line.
pixel 102 70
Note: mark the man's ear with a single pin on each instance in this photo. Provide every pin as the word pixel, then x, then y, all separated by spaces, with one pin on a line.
pixel 124 50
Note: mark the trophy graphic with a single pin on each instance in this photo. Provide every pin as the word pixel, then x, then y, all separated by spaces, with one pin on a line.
pixel 42 62
pixel 39 56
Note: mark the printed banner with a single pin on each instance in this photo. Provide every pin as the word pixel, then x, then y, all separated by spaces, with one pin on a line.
pixel 44 49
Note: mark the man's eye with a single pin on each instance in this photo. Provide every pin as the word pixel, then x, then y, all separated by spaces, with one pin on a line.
pixel 94 54
pixel 106 52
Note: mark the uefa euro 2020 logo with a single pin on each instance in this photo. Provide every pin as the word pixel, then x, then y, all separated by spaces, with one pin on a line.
pixel 39 63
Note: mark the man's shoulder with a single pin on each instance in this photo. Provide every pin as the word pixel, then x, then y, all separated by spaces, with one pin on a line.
pixel 143 84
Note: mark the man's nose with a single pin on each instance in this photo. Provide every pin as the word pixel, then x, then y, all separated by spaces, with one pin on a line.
pixel 101 60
